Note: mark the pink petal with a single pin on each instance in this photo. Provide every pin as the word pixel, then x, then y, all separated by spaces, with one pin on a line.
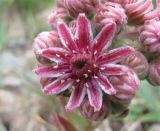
pixel 104 38
pixel 113 69
pixel 58 86
pixel 116 55
pixel 94 95
pixel 51 71
pixel 83 31
pixel 76 97
pixel 55 54
pixel 106 86
pixel 66 36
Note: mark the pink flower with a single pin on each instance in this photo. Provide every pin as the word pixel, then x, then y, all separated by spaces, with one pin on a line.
pixel 110 12
pixel 82 64
pixel 150 35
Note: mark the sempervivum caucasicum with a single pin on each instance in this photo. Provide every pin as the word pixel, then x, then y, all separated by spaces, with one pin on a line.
pixel 83 65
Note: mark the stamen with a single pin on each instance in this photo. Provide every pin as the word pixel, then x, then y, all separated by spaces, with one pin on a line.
pixel 85 75
pixel 89 71
pixel 94 65
pixel 78 80
pixel 62 81
pixel 95 77
pixel 87 85
pixel 57 55
pixel 55 67
pixel 95 52
pixel 102 68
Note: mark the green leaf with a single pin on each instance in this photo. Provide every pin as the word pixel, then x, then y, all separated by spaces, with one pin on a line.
pixel 151 117
pixel 147 93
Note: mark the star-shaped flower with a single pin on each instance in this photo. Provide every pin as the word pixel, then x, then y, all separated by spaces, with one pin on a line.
pixel 82 64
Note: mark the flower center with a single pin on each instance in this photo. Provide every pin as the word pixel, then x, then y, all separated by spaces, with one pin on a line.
pixel 79 64
pixel 83 66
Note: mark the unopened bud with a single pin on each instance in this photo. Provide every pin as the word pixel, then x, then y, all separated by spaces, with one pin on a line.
pixel 154 72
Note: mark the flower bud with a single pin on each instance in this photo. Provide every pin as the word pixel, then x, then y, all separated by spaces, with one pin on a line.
pixel 75 7
pixel 138 63
pixel 137 9
pixel 58 13
pixel 150 35
pixel 43 41
pixel 88 111
pixel 126 85
pixel 110 12
pixel 154 72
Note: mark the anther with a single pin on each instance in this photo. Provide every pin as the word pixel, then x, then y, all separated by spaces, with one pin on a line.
pixel 102 68
pixel 55 67
pixel 95 52
pixel 62 81
pixel 85 75
pixel 89 71
pixel 95 77
pixel 78 80
pixel 57 55
pixel 94 65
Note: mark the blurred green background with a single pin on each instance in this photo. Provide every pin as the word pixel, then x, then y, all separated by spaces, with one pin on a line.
pixel 22 105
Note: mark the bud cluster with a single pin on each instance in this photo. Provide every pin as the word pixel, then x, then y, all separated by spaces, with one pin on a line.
pixel 96 76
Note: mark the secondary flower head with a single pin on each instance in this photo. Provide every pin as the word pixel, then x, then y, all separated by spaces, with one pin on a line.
pixel 82 65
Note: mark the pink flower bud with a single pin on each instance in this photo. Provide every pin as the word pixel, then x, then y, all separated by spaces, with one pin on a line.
pixel 58 13
pixel 138 62
pixel 150 35
pixel 137 9
pixel 88 111
pixel 45 40
pixel 126 85
pixel 110 12
pixel 154 72
pixel 81 6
